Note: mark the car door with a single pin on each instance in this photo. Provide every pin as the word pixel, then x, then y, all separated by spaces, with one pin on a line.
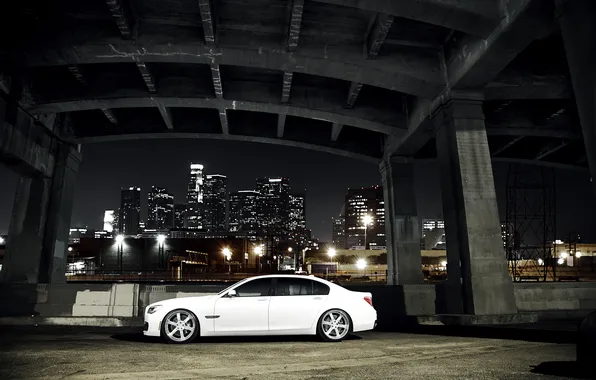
pixel 247 312
pixel 296 303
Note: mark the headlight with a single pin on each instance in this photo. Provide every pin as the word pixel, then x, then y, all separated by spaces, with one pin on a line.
pixel 153 309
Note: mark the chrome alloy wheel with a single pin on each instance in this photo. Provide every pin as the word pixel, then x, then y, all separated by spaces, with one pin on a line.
pixel 180 326
pixel 335 324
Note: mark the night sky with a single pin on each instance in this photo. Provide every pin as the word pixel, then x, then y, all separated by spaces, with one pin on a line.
pixel 108 166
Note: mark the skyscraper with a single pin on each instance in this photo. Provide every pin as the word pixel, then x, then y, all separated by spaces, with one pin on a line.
pixel 274 205
pixel 194 197
pixel 179 210
pixel 244 213
pixel 297 220
pixel 339 232
pixel 361 202
pixel 108 221
pixel 160 209
pixel 215 198
pixel 130 210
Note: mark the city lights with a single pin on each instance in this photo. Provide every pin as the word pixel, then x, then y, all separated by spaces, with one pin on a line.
pixel 564 255
pixel 69 249
pixel 259 250
pixel 289 249
pixel 361 264
pixel 444 263
pixel 1 240
pixel 578 254
pixel 227 253
pixel 540 262
pixel 161 239
pixel 367 220
pixel 119 239
pixel 331 252
pixel 560 261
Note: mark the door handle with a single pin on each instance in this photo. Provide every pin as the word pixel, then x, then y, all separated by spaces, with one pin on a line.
pixel 318 298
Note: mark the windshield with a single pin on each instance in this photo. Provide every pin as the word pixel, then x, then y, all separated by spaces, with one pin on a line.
pixel 231 286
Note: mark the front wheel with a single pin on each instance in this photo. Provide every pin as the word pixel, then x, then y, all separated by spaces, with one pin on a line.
pixel 180 326
pixel 334 325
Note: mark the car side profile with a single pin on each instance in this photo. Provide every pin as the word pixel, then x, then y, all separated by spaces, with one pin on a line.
pixel 265 305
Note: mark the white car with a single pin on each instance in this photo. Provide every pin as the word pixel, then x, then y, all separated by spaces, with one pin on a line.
pixel 265 305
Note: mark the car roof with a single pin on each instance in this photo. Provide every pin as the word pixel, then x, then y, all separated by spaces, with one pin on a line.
pixel 311 277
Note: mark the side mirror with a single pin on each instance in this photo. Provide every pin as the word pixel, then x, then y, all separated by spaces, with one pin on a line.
pixel 232 293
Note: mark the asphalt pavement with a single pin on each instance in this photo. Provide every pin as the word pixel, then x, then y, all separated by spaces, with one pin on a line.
pixel 47 352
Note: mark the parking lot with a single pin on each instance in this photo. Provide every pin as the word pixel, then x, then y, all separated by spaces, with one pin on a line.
pixel 100 353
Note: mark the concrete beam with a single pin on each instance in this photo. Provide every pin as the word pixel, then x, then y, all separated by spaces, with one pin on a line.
pixel 379 27
pixel 217 136
pixel 281 124
pixel 353 94
pixel 110 115
pixel 530 131
pixel 295 25
pixel 147 77
pixel 507 146
pixel 166 115
pixel 411 72
pixel 74 70
pixel 478 17
pixel 355 118
pixel 539 88
pixel 475 62
pixel 335 131
pixel 547 151
pixel 286 89
pixel 208 23
pixel 122 17
pixel 217 85
pixel 546 164
pixel 223 118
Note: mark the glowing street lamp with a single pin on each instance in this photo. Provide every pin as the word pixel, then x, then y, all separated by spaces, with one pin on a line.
pixel 119 241
pixel 289 249
pixel 161 239
pixel 228 256
pixel 1 240
pixel 160 242
pixel 361 264
pixel 331 252
pixel 366 220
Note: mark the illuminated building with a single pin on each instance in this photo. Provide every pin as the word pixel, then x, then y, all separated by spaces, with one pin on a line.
pixel 274 206
pixel 338 236
pixel 130 210
pixel 108 221
pixel 361 202
pixel 194 197
pixel 179 210
pixel 244 212
pixel 160 209
pixel 433 234
pixel 297 220
pixel 215 196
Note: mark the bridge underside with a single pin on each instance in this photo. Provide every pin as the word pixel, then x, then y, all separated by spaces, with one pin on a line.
pixel 389 82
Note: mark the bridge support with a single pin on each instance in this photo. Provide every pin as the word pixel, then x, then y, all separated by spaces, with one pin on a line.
pixel 37 245
pixel 478 282
pixel 402 226
pixel 576 19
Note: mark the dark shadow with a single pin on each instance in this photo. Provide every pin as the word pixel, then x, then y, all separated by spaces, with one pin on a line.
pixel 563 369
pixel 140 338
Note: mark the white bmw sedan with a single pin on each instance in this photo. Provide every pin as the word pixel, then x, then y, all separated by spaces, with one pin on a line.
pixel 265 305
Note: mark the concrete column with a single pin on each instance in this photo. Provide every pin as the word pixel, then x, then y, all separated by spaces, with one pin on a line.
pixel 36 249
pixel 402 226
pixel 576 19
pixel 478 280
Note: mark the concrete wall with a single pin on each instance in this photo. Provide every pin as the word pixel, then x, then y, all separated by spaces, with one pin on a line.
pixel 394 304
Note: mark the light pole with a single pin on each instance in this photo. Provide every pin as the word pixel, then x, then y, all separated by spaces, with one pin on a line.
pixel 361 264
pixel 367 219
pixel 228 256
pixel 259 253
pixel 160 243
pixel 119 241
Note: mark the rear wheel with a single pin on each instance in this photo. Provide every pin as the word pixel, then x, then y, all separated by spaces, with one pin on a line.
pixel 180 326
pixel 334 325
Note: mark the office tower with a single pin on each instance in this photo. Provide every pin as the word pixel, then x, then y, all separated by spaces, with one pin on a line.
pixel 433 234
pixel 160 209
pixel 215 196
pixel 179 210
pixel 339 232
pixel 194 197
pixel 130 210
pixel 273 208
pixel 358 204
pixel 297 220
pixel 108 221
pixel 244 212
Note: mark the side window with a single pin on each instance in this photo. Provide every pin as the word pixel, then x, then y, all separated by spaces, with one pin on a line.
pixel 319 289
pixel 254 288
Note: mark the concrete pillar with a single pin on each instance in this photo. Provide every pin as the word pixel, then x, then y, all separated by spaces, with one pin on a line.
pixel 576 19
pixel 37 244
pixel 478 279
pixel 402 226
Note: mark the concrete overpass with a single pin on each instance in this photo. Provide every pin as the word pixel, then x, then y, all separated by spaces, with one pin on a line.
pixel 383 81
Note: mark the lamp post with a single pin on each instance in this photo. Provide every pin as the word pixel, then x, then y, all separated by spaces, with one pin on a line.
pixel 160 243
pixel 366 220
pixel 228 256
pixel 361 264
pixel 259 253
pixel 119 241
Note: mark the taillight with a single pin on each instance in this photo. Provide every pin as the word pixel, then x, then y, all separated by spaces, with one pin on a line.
pixel 368 300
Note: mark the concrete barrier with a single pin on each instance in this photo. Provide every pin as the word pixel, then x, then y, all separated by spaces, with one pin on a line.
pixel 556 299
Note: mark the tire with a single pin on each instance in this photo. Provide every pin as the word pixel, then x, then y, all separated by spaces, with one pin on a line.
pixel 180 326
pixel 334 325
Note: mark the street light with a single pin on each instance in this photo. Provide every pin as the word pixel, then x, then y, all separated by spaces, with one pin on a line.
pixel 259 253
pixel 1 240
pixel 119 241
pixel 331 252
pixel 160 242
pixel 161 239
pixel 367 220
pixel 228 256
pixel 361 264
